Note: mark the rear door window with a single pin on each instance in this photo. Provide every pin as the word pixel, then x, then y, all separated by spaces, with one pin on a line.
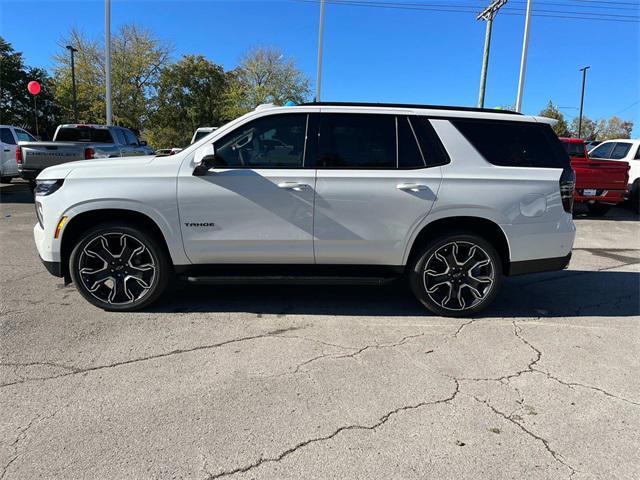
pixel 620 150
pixel 6 136
pixel 120 136
pixel 24 136
pixel 131 138
pixel 432 149
pixel 409 154
pixel 602 151
pixel 515 144
pixel 357 141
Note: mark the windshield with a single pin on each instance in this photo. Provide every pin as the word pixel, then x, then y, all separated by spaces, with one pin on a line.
pixel 84 134
pixel 574 149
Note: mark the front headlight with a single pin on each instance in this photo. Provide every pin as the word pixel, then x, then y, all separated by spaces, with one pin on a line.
pixel 47 187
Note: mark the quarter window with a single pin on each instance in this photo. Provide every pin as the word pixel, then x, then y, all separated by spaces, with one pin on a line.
pixel 268 142
pixel 357 141
pixel 6 136
pixel 409 155
pixel 515 144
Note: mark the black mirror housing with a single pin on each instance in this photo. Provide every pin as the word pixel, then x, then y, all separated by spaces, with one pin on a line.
pixel 207 162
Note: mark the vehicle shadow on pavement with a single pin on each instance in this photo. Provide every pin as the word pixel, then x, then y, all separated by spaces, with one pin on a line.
pixel 16 193
pixel 558 294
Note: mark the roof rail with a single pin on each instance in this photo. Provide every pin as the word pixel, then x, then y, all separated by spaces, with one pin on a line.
pixel 411 105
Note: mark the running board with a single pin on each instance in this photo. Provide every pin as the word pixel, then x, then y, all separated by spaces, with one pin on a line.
pixel 287 280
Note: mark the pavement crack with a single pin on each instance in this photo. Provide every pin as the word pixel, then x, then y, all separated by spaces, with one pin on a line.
pixel 381 421
pixel 39 364
pixel 557 457
pixel 76 371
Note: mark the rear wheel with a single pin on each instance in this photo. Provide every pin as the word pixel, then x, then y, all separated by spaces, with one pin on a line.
pixel 598 209
pixel 635 196
pixel 456 275
pixel 119 267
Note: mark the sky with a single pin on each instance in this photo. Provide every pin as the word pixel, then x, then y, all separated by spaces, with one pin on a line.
pixel 377 54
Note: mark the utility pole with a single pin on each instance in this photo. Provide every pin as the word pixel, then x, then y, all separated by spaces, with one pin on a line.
pixel 584 80
pixel 73 83
pixel 107 57
pixel 523 60
pixel 487 15
pixel 320 42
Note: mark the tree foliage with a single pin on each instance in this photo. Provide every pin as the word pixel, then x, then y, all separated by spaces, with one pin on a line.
pixel 264 76
pixel 137 57
pixel 603 129
pixel 551 111
pixel 16 103
pixel 189 95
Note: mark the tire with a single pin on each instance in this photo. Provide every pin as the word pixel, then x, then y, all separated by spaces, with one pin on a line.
pixel 5 179
pixel 635 196
pixel 598 209
pixel 118 284
pixel 440 295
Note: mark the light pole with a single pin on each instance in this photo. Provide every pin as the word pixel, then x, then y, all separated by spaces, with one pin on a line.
pixel 320 42
pixel 73 83
pixel 584 80
pixel 487 15
pixel 523 60
pixel 107 57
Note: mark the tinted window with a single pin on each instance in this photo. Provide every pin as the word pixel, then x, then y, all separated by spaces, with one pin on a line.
pixel 272 141
pixel 620 150
pixel 637 157
pixel 409 155
pixel 603 151
pixel 432 150
pixel 357 141
pixel 515 144
pixel 84 134
pixel 6 136
pixel 131 138
pixel 199 135
pixel 24 136
pixel 574 149
pixel 120 136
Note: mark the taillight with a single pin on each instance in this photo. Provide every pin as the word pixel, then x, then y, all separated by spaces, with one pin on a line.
pixel 88 153
pixel 567 186
pixel 19 155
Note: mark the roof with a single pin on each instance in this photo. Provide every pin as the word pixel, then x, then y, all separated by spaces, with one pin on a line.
pixel 413 106
pixel 571 140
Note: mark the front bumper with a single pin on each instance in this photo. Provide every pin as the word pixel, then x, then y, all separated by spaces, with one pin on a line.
pixel 54 268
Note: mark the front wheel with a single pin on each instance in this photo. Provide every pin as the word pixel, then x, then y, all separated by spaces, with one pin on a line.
pixel 119 267
pixel 456 275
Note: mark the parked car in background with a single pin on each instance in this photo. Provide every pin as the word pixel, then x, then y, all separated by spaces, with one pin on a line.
pixel 600 184
pixel 201 132
pixel 9 138
pixel 78 142
pixel 623 150
pixel 451 199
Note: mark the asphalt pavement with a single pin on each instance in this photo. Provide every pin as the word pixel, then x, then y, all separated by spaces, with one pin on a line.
pixel 306 382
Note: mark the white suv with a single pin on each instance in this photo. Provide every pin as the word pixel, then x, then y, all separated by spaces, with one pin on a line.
pixel 451 198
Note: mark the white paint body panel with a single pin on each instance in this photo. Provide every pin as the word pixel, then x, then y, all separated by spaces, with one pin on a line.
pixel 339 217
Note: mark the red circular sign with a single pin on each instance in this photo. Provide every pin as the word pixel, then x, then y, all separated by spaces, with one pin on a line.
pixel 33 87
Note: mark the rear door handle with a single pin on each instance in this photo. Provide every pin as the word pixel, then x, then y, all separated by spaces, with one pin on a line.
pixel 414 187
pixel 297 186
pixel 7 150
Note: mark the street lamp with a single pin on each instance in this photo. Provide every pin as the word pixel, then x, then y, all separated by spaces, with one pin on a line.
pixel 584 79
pixel 487 15
pixel 73 83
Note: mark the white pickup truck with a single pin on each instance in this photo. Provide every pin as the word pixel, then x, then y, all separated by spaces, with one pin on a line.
pixel 9 138
pixel 73 142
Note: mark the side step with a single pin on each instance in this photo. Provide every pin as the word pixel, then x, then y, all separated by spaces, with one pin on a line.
pixel 287 280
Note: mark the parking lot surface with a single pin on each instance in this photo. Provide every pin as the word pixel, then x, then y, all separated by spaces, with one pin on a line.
pixel 324 382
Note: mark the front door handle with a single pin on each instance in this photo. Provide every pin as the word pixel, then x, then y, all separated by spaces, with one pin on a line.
pixel 297 186
pixel 414 187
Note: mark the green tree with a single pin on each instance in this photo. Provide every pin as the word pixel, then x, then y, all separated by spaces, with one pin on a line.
pixel 137 57
pixel 189 95
pixel 16 103
pixel 589 128
pixel 264 76
pixel 614 128
pixel 551 111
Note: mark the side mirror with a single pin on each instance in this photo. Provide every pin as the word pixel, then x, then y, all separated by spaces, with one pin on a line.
pixel 143 143
pixel 205 159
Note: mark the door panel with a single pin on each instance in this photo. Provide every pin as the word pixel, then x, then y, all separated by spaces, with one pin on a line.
pixel 363 217
pixel 8 153
pixel 245 212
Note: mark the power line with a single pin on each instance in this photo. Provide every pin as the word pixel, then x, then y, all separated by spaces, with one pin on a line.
pixel 572 15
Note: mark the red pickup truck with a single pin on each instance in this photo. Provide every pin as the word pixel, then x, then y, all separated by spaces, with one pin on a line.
pixel 599 183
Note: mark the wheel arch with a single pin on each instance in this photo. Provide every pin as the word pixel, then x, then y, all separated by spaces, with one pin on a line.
pixel 487 229
pixel 78 224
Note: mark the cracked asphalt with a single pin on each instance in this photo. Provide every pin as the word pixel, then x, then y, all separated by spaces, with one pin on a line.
pixel 324 382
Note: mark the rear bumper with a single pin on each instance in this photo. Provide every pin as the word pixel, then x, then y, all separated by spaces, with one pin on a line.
pixel 28 174
pixel 603 196
pixel 540 265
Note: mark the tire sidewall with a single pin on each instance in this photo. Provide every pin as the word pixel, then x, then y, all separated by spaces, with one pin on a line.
pixel 157 252
pixel 417 269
